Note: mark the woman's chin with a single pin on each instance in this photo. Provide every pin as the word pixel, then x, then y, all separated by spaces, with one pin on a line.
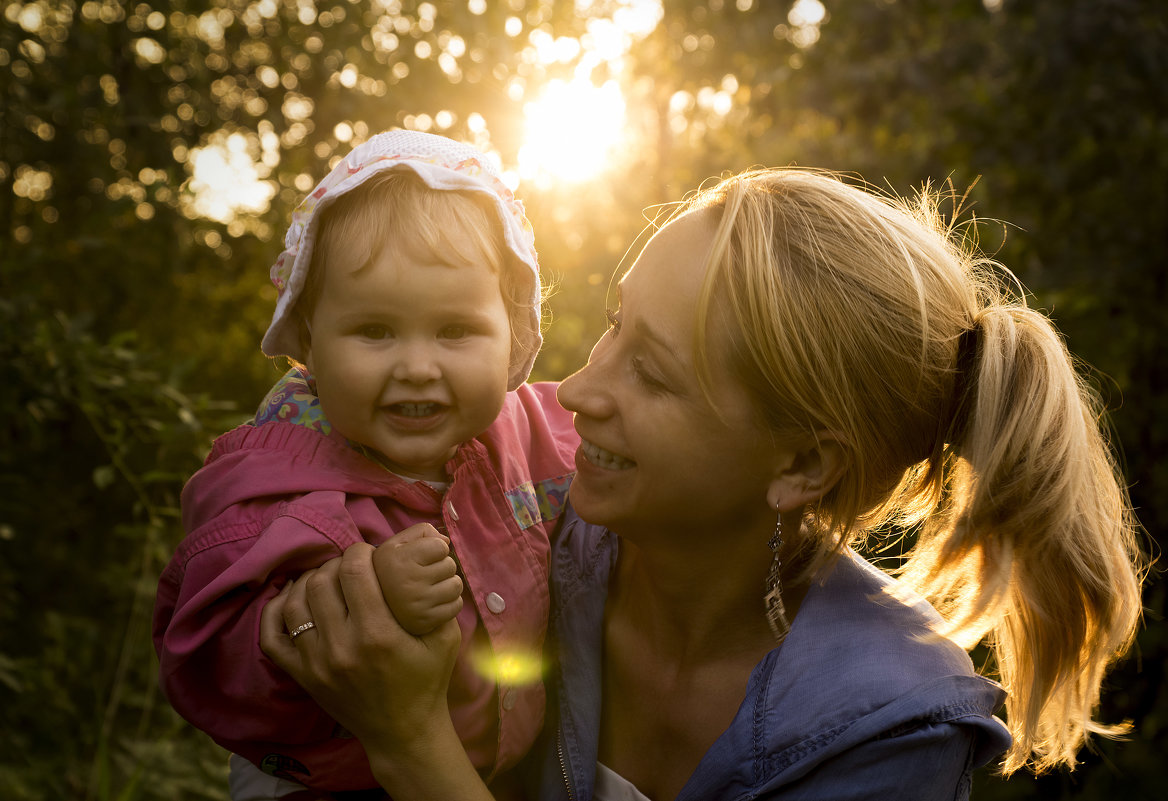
pixel 591 503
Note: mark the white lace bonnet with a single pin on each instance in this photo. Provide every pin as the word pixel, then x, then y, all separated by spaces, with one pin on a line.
pixel 443 164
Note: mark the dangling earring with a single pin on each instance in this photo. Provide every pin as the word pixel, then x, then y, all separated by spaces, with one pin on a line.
pixel 776 612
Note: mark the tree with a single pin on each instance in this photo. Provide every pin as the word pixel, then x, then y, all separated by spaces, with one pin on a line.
pixel 132 298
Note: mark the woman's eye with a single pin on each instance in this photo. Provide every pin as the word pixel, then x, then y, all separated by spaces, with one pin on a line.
pixel 614 321
pixel 374 332
pixel 647 379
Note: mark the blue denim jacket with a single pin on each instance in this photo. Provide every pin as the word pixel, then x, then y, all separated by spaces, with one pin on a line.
pixel 861 701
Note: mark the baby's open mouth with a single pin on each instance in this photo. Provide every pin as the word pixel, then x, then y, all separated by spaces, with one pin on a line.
pixel 415 409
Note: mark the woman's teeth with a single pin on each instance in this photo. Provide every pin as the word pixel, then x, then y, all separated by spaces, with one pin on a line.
pixel 606 459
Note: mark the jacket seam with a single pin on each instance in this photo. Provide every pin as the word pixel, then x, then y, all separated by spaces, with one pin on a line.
pixel 253 529
pixel 948 713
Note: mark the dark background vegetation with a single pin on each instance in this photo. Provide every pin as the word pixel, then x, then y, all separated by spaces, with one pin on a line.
pixel 129 324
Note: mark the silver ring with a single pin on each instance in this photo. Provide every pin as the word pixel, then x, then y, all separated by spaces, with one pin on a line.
pixel 296 632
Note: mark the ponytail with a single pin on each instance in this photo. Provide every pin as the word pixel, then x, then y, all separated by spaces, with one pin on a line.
pixel 963 418
pixel 1037 549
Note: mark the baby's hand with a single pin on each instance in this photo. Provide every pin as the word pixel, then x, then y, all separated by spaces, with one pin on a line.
pixel 419 578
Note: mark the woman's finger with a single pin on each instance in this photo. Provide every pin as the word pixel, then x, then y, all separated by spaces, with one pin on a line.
pixel 274 640
pixel 325 602
pixel 296 610
pixel 363 594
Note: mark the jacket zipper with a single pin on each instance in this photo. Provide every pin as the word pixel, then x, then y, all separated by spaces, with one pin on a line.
pixel 563 763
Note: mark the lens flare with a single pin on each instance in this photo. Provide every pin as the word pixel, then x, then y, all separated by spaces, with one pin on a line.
pixel 572 130
pixel 508 668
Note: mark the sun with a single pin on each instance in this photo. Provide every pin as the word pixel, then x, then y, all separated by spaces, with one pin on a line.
pixel 571 130
pixel 577 129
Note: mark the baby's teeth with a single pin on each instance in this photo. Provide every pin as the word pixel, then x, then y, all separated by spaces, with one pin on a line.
pixel 415 409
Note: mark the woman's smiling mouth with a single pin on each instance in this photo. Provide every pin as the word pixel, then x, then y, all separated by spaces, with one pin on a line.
pixel 602 458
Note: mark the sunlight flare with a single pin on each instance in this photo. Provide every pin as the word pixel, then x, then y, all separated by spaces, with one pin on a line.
pixel 571 130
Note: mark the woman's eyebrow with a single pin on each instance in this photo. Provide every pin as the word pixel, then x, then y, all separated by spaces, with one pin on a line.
pixel 645 329
pixel 661 343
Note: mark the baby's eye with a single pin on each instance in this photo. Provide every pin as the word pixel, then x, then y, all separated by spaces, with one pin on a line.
pixel 455 332
pixel 374 332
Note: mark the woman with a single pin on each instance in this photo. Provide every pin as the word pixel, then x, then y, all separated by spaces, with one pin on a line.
pixel 795 365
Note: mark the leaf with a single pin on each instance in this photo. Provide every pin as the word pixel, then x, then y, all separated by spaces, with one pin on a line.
pixel 104 476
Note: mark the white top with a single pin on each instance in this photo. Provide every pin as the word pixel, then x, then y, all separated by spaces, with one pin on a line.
pixel 246 782
pixel 611 786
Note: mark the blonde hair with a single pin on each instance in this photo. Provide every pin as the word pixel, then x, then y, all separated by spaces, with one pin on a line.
pixel 963 419
pixel 397 206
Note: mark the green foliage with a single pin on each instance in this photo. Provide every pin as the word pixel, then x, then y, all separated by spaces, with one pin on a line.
pixel 130 319
pixel 101 442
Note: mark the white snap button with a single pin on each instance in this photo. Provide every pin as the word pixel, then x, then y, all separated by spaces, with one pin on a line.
pixel 496 603
pixel 509 699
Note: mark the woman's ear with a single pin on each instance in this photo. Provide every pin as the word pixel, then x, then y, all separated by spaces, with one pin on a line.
pixel 807 472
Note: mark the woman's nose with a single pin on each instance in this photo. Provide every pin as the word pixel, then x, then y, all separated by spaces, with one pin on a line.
pixel 585 391
pixel 416 363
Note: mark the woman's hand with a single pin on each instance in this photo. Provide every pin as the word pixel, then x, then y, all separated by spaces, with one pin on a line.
pixel 381 683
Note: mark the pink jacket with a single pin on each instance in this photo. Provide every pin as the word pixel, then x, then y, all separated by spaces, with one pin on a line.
pixel 277 499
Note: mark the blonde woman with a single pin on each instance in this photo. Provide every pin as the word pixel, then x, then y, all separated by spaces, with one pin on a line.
pixel 795 365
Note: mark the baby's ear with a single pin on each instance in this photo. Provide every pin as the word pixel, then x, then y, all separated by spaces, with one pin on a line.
pixel 806 473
